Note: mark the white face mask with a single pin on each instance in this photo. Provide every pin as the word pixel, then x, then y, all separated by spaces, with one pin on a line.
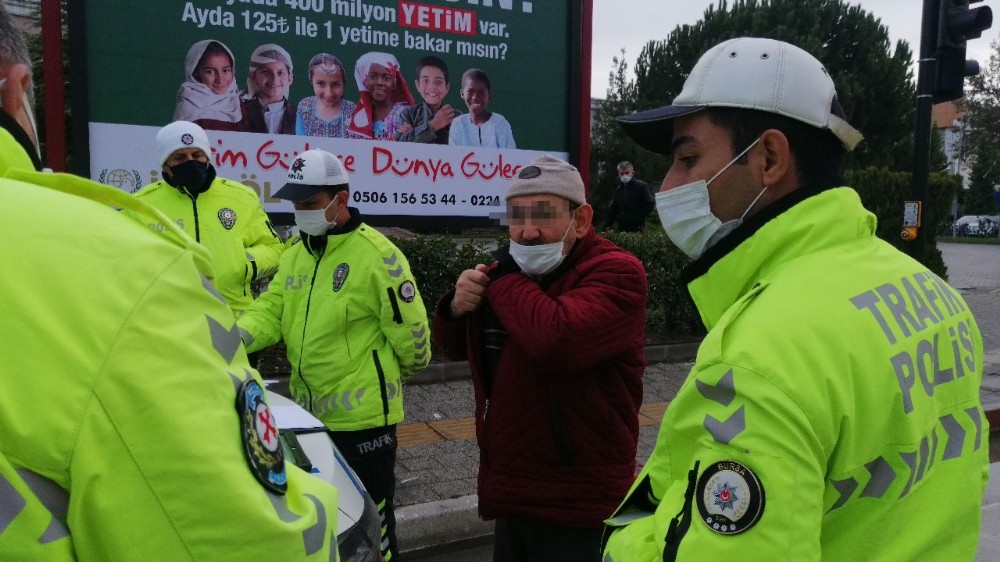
pixel 541 259
pixel 313 222
pixel 687 217
pixel 625 178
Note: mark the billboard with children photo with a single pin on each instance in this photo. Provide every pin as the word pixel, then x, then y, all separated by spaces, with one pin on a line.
pixel 432 105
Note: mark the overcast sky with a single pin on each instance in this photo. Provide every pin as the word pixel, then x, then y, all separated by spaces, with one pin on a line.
pixel 632 23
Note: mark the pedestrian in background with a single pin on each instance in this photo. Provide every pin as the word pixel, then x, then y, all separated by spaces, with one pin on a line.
pixel 354 325
pixel 632 201
pixel 833 411
pixel 223 215
pixel 121 435
pixel 554 333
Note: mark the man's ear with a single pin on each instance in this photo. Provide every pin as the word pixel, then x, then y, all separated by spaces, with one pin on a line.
pixel 777 158
pixel 582 219
pixel 12 96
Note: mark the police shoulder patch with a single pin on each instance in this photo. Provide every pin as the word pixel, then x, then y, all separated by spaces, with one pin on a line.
pixel 227 217
pixel 730 497
pixel 407 291
pixel 340 276
pixel 261 443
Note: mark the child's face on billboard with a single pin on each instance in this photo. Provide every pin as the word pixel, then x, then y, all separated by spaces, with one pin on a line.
pixel 432 85
pixel 271 80
pixel 380 82
pixel 216 73
pixel 328 87
pixel 476 96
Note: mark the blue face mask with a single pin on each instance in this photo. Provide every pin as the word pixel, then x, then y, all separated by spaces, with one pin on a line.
pixel 686 214
pixel 541 259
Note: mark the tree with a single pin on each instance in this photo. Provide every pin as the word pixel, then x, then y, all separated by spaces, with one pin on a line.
pixel 984 176
pixel 609 145
pixel 875 84
pixel 982 112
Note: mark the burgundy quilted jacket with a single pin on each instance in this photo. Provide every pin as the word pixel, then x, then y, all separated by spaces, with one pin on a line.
pixel 558 423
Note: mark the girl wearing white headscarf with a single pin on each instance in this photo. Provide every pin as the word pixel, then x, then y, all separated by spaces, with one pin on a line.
pixel 383 94
pixel 209 96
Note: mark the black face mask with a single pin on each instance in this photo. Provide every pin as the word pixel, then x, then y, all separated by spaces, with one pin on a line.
pixel 191 176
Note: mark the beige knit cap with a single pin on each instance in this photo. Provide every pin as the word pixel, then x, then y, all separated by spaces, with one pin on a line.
pixel 547 175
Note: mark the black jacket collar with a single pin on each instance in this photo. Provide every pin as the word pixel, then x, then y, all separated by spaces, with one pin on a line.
pixel 316 245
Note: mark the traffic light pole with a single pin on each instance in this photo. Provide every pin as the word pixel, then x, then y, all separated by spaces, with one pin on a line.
pixel 922 136
pixel 945 27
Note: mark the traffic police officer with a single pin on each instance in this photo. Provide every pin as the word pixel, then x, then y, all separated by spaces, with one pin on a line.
pixel 121 366
pixel 224 216
pixel 833 411
pixel 353 322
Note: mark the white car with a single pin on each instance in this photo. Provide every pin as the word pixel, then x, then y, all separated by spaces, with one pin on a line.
pixel 970 225
pixel 308 446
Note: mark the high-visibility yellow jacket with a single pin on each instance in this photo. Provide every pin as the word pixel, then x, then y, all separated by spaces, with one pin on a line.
pixel 833 411
pixel 230 221
pixel 119 438
pixel 353 323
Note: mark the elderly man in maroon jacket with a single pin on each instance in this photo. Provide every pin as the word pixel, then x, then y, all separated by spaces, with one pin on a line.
pixel 554 332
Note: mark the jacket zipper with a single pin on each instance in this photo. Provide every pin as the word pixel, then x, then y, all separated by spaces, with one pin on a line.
pixel 484 453
pixel 381 386
pixel 680 524
pixel 559 438
pixel 197 227
pixel 312 283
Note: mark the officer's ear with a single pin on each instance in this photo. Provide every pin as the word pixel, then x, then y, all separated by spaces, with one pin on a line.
pixel 16 84
pixel 343 200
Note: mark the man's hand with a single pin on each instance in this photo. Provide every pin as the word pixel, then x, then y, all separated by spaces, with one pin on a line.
pixel 442 118
pixel 469 291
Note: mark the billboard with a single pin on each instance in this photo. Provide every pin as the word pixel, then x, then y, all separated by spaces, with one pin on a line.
pixel 269 79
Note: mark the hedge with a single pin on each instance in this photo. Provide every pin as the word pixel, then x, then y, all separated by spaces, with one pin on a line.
pixel 436 260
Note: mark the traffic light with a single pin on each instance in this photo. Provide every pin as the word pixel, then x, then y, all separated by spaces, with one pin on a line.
pixel 957 22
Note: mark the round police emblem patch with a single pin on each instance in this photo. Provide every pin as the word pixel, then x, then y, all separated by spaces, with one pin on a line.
pixel 340 276
pixel 530 172
pixel 227 217
pixel 187 139
pixel 730 497
pixel 261 443
pixel 407 291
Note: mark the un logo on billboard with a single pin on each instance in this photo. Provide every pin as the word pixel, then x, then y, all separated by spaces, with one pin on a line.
pixel 126 180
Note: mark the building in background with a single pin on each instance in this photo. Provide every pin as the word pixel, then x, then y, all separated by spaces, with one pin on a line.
pixel 949 120
pixel 26 13
pixel 595 106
